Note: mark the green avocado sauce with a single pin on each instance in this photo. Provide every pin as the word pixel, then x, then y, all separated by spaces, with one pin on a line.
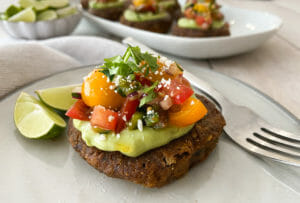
pixel 191 23
pixel 130 15
pixel 188 23
pixel 130 142
pixel 167 3
pixel 99 5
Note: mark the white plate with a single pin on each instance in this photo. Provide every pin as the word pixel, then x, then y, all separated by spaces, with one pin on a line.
pixel 249 29
pixel 51 171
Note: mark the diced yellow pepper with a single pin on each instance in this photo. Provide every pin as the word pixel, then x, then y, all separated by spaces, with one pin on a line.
pixel 201 8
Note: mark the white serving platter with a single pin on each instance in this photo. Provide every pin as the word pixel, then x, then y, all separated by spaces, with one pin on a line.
pixel 249 30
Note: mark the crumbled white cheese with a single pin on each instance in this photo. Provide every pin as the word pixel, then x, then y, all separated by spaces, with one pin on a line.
pixel 192 102
pixel 168 63
pixel 124 118
pixel 118 135
pixel 140 125
pixel 111 118
pixel 102 137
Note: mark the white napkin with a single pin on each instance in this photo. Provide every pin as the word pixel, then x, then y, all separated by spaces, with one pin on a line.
pixel 25 62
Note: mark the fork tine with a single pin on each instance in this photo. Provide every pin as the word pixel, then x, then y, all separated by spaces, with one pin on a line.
pixel 277 140
pixel 263 144
pixel 279 133
pixel 273 155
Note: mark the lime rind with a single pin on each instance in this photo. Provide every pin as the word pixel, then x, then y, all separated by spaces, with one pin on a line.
pixel 59 98
pixel 36 121
pixel 37 5
pixel 67 11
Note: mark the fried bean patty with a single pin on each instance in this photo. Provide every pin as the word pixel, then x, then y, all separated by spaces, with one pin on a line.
pixel 159 166
pixel 188 32
pixel 160 25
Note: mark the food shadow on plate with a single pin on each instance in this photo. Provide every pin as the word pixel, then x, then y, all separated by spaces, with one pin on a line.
pixel 53 151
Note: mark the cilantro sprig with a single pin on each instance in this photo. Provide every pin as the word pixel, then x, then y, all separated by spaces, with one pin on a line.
pixel 129 63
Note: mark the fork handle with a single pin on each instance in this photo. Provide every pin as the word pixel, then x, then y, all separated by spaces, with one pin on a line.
pixel 196 82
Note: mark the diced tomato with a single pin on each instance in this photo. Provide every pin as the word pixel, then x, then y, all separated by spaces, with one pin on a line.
pixel 128 109
pixel 178 89
pixel 104 118
pixel 143 80
pixel 200 20
pixel 79 111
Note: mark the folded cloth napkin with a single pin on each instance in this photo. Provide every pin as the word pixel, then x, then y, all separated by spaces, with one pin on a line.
pixel 25 62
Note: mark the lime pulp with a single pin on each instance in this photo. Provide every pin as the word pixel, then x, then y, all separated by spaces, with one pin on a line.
pixel 59 98
pixel 35 120
pixel 47 15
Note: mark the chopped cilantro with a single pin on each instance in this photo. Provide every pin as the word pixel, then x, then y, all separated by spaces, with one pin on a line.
pixel 129 63
pixel 150 94
pixel 178 66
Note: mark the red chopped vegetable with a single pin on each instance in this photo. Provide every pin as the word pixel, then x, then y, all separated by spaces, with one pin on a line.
pixel 79 111
pixel 128 109
pixel 104 118
pixel 143 80
pixel 178 89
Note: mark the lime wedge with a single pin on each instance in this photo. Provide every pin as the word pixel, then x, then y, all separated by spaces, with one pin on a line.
pixel 58 3
pixel 37 5
pixel 63 12
pixel 47 15
pixel 34 120
pixel 27 15
pixel 59 98
pixel 12 10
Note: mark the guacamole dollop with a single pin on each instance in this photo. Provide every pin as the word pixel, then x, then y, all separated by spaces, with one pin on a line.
pixel 129 142
pixel 100 5
pixel 131 15
pixel 191 23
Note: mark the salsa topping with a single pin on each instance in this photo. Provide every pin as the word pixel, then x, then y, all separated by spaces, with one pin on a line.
pixel 135 90
pixel 143 6
pixel 203 12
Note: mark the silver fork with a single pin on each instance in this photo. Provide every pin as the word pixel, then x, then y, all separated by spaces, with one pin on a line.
pixel 244 126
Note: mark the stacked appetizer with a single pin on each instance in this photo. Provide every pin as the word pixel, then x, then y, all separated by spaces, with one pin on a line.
pixel 109 9
pixel 137 118
pixel 201 18
pixel 171 6
pixel 147 15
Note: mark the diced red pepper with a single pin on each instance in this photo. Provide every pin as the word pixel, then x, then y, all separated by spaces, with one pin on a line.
pixel 128 109
pixel 104 118
pixel 79 111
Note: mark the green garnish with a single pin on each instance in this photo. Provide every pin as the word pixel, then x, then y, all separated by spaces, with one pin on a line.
pixel 151 117
pixel 134 120
pixel 129 63
pixel 150 94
